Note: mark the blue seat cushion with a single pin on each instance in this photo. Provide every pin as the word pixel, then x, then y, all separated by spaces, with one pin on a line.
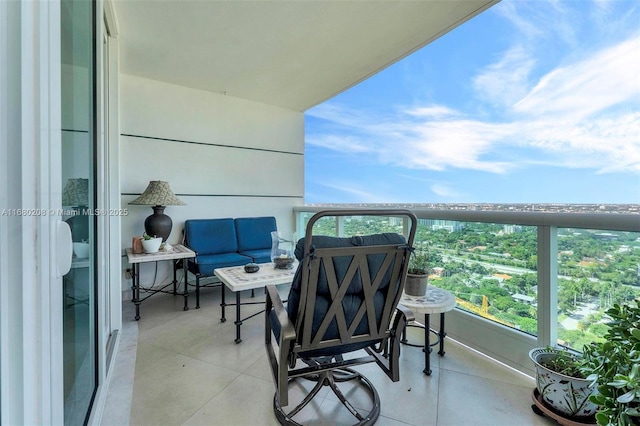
pixel 254 233
pixel 352 298
pixel 210 236
pixel 205 264
pixel 258 256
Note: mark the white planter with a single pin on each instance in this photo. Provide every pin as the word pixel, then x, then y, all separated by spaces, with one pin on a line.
pixel 152 245
pixel 81 250
pixel 568 395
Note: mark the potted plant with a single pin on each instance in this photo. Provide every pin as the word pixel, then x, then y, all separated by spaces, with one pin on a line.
pixel 418 273
pixel 617 367
pixel 561 380
pixel 151 244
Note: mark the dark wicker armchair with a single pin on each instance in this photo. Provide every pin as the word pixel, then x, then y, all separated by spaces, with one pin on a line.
pixel 344 299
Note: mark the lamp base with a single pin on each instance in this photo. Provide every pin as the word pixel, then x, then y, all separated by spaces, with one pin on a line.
pixel 79 224
pixel 158 224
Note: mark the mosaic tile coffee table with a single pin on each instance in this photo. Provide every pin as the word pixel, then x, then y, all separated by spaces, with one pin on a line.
pixel 236 280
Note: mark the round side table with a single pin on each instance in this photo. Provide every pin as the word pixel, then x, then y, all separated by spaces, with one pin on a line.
pixel 435 301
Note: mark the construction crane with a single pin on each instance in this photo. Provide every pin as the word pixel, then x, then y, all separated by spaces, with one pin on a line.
pixel 482 310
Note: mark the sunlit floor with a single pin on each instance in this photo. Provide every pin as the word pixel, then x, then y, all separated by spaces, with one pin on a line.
pixel 189 371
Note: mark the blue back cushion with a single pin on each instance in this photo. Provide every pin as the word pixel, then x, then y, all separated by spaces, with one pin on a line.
pixel 353 296
pixel 254 233
pixel 210 236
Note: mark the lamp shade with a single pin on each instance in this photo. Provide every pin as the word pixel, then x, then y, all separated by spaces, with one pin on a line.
pixel 76 192
pixel 158 195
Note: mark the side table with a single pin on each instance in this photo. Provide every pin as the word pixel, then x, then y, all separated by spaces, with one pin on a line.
pixel 178 251
pixel 435 301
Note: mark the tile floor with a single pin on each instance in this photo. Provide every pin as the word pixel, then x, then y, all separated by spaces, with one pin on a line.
pixel 189 371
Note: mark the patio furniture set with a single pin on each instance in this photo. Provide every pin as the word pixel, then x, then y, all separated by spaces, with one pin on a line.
pixel 346 295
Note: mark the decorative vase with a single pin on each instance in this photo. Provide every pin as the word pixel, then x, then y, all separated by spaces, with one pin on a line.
pixel 416 285
pixel 568 395
pixel 81 250
pixel 282 250
pixel 152 245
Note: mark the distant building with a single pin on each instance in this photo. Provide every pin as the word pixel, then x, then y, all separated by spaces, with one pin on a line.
pixel 511 229
pixel 436 224
pixel 502 276
pixel 605 236
pixel 523 298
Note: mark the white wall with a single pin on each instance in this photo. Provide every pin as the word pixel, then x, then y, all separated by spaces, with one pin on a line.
pixel 223 156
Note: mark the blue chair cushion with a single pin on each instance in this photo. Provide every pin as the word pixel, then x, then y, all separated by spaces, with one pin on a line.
pixel 352 298
pixel 210 236
pixel 259 256
pixel 254 233
pixel 205 264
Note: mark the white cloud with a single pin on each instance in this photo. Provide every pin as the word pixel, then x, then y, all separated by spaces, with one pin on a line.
pixel 609 77
pixel 344 143
pixel 444 190
pixel 357 193
pixel 506 81
pixel 432 111
pixel 584 114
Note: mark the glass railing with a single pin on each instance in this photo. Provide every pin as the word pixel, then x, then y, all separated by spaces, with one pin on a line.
pixel 532 278
pixel 596 269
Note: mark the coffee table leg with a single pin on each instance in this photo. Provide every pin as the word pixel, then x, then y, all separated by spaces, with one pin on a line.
pixel 186 283
pixel 238 321
pixel 427 346
pixel 223 304
pixel 175 275
pixel 136 289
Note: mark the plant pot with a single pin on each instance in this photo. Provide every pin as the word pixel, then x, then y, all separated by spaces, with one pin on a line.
pixel 416 285
pixel 568 395
pixel 152 245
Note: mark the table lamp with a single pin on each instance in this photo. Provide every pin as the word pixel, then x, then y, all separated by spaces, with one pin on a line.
pixel 158 195
pixel 76 194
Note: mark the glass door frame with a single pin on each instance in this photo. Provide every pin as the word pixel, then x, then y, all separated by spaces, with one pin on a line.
pixel 33 249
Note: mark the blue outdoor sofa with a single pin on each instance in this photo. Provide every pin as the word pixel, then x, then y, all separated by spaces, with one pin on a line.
pixel 224 242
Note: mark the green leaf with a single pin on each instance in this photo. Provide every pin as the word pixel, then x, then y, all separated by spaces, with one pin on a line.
pixel 602 419
pixel 634 371
pixel 624 420
pixel 605 391
pixel 635 332
pixel 592 377
pixel 632 412
pixel 627 397
pixel 618 383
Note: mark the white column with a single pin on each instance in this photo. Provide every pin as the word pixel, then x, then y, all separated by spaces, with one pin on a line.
pixel 547 285
pixel 30 360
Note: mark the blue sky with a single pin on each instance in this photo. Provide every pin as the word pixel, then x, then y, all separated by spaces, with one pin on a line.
pixel 531 101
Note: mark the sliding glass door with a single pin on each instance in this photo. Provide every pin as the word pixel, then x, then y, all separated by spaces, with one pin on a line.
pixel 78 174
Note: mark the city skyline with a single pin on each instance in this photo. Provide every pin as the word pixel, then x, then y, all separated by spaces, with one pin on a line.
pixel 510 207
pixel 529 102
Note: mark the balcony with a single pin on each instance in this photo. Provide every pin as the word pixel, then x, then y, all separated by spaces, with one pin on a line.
pixel 188 370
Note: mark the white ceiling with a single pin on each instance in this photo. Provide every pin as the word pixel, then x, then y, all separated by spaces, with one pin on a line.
pixel 293 54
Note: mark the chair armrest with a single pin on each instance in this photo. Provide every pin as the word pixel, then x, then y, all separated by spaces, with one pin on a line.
pixel 402 317
pixel 287 330
pixel 408 313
